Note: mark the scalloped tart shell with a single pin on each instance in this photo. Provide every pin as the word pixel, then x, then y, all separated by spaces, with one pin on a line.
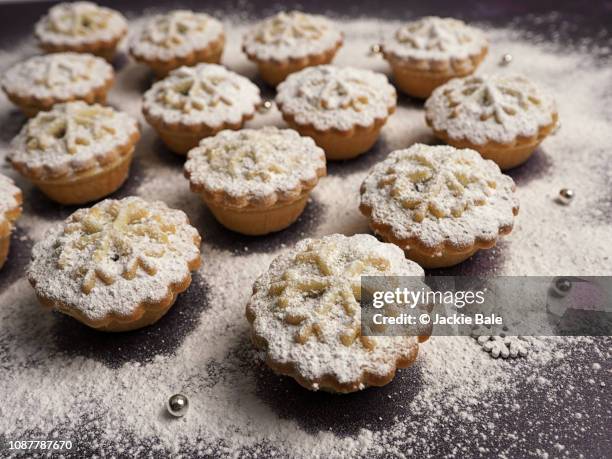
pixel 180 138
pixel 274 72
pixel 145 314
pixel 506 156
pixel 106 49
pixel 31 105
pixel 340 145
pixel 419 78
pixel 441 256
pixel 211 54
pixel 6 226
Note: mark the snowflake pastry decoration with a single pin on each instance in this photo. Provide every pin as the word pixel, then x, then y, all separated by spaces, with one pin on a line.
pixel 171 29
pixel 117 239
pixel 421 185
pixel 502 345
pixel 73 125
pixel 191 89
pixel 78 19
pixel 253 160
pixel 434 34
pixel 64 70
pixel 505 346
pixel 289 28
pixel 499 98
pixel 337 289
pixel 334 92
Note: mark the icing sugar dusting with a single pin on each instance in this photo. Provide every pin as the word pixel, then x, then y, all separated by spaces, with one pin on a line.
pixel 439 194
pixel 257 163
pixel 239 408
pixel 71 137
pixel 306 308
pixel 484 108
pixel 291 35
pixel 336 97
pixel 177 33
pixel 111 257
pixel 57 75
pixel 80 22
pixel 8 191
pixel 436 39
pixel 205 93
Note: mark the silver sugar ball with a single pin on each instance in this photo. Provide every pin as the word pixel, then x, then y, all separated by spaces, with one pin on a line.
pixel 506 59
pixel 566 195
pixel 375 49
pixel 265 107
pixel 177 405
pixel 562 286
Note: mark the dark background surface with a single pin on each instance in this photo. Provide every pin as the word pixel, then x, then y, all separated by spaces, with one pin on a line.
pixel 583 18
pixel 571 22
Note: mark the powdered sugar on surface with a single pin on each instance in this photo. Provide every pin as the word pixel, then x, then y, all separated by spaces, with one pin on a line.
pixel 206 94
pixel 483 108
pixel 330 97
pixel 467 199
pixel 107 392
pixel 57 75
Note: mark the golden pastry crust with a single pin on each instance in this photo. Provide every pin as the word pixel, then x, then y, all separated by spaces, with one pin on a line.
pixel 10 210
pixel 275 72
pixel 136 255
pixel 31 105
pixel 305 314
pixel 439 204
pixel 144 313
pixel 339 144
pixel 13 202
pixel 211 54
